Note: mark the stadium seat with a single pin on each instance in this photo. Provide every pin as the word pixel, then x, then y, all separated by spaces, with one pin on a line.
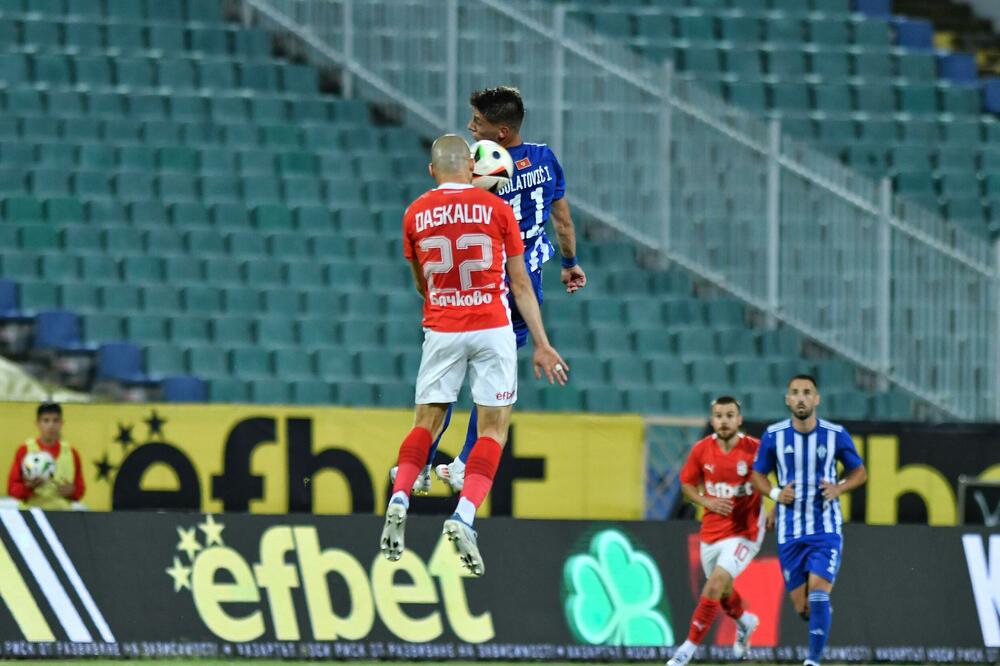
pixel 119 360
pixel 184 388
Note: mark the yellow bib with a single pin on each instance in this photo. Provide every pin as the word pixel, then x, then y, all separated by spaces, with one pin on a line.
pixel 46 495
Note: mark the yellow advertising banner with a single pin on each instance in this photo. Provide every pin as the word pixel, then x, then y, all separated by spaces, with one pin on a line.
pixel 275 459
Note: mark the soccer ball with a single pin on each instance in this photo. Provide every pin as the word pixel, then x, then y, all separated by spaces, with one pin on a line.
pixel 38 466
pixel 494 165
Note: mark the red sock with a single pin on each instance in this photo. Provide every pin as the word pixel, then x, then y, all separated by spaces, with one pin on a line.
pixel 701 621
pixel 480 469
pixel 733 605
pixel 412 458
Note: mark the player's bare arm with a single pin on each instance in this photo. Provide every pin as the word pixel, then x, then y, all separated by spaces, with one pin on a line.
pixel 574 278
pixel 856 477
pixel 785 496
pixel 772 518
pixel 719 505
pixel 419 281
pixel 546 359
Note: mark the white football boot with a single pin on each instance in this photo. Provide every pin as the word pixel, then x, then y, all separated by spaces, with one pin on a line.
pixel 391 543
pixel 463 537
pixel 680 658
pixel 422 486
pixel 453 474
pixel 742 644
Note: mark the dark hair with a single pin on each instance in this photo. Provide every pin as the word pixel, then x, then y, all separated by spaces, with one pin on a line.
pixel 806 377
pixel 48 408
pixel 501 105
pixel 728 400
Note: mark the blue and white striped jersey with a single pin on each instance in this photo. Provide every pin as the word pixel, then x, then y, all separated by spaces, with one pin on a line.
pixel 806 459
pixel 538 181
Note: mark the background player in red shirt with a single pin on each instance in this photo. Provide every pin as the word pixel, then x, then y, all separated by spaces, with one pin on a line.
pixel 460 240
pixel 716 476
pixel 66 485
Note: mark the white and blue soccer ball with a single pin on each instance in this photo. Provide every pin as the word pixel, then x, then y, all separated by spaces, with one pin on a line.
pixel 38 466
pixel 494 166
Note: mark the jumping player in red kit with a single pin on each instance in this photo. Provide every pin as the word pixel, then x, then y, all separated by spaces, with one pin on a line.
pixel 732 528
pixel 461 242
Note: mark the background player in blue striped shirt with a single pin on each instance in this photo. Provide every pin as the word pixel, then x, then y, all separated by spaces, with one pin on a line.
pixel 804 451
pixel 537 193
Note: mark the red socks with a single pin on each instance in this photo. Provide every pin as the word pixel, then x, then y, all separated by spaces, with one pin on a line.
pixel 480 469
pixel 412 458
pixel 733 605
pixel 701 621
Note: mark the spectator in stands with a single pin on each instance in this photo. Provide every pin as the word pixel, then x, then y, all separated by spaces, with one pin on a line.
pixel 65 485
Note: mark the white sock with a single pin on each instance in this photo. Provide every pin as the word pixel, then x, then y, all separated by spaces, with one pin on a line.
pixel 458 464
pixel 687 647
pixel 466 510
pixel 427 470
pixel 402 497
pixel 744 620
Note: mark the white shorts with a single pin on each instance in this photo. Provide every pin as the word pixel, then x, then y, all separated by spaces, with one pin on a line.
pixel 490 355
pixel 732 554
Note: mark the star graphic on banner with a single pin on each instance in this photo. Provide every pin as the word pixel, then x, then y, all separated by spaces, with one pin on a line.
pixel 188 542
pixel 212 530
pixel 181 575
pixel 155 424
pixel 125 436
pixel 104 469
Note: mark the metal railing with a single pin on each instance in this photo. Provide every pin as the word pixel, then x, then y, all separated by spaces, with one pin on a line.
pixel 796 234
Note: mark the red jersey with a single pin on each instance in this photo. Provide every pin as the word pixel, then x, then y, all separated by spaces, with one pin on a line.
pixel 726 475
pixel 462 236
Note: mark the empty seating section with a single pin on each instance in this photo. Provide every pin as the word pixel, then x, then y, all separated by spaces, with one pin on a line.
pixel 178 188
pixel 835 78
pixel 173 184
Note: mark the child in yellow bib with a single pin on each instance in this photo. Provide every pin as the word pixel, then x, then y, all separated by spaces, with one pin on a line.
pixel 66 485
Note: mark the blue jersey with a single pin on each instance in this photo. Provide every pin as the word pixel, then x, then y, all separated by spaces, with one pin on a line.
pixel 538 181
pixel 806 459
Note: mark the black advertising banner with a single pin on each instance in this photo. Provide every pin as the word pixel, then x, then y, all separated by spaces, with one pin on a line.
pixel 258 586
pixel 914 470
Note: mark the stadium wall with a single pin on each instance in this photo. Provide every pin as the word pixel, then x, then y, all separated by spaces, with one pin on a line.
pixel 271 459
pixel 132 584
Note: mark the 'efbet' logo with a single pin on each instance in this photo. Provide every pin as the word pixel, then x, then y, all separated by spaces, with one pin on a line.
pixel 615 594
pixel 728 490
pixel 217 576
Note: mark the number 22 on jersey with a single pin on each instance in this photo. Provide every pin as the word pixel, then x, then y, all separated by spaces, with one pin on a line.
pixel 445 265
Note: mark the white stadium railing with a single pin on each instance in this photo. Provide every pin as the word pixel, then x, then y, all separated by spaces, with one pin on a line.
pixel 804 239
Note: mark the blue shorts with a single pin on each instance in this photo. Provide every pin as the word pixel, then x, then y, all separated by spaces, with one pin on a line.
pixel 817 553
pixel 521 328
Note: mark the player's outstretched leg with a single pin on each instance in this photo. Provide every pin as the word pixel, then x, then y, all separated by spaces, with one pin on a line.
pixel 392 542
pixel 412 455
pixel 819 625
pixel 422 486
pixel 454 472
pixel 482 467
pixel 746 622
pixel 701 621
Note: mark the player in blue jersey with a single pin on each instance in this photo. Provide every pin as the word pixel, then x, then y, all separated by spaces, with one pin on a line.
pixel 537 193
pixel 804 451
